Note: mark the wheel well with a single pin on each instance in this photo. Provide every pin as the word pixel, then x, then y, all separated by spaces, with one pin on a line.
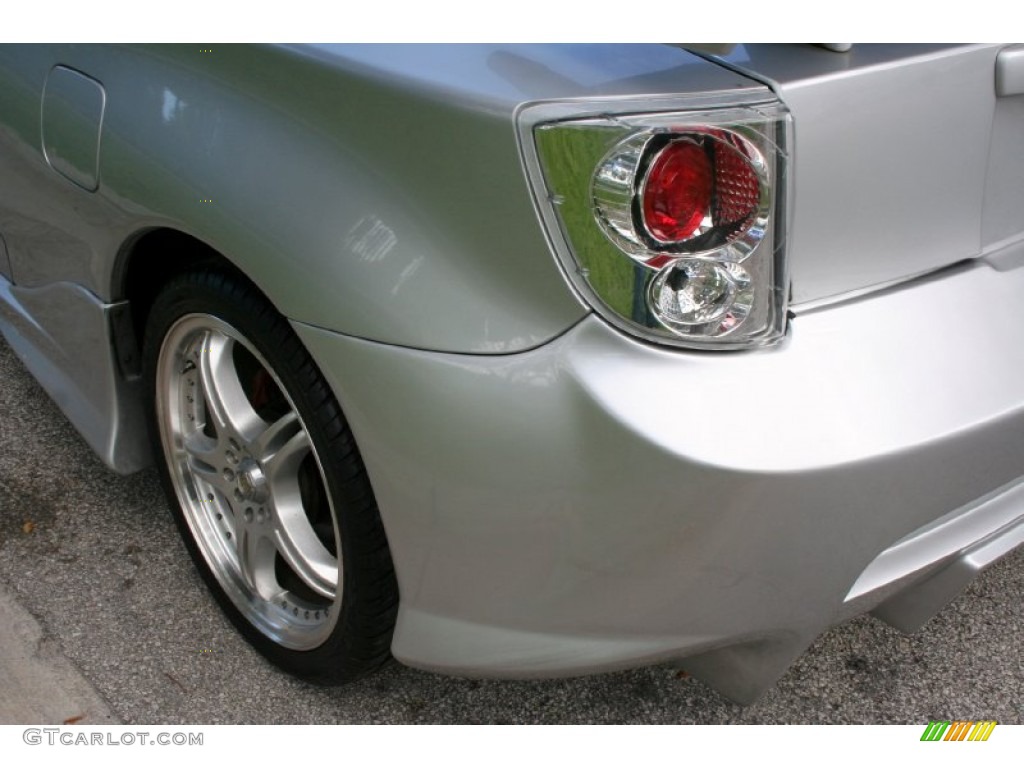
pixel 150 259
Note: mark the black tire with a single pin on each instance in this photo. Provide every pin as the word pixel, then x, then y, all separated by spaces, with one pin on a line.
pixel 265 480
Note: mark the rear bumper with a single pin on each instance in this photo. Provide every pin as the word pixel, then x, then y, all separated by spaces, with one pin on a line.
pixel 599 503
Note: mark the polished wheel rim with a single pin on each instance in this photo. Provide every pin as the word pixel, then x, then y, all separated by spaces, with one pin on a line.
pixel 249 481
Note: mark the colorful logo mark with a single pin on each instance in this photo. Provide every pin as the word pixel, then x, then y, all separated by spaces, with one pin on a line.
pixel 958 730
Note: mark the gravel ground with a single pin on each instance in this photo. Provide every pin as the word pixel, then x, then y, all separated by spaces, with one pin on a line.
pixel 96 558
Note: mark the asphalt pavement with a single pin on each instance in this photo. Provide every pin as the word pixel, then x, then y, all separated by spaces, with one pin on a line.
pixel 101 595
pixel 40 685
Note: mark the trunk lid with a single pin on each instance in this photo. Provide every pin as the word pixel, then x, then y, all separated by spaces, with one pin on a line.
pixel 905 160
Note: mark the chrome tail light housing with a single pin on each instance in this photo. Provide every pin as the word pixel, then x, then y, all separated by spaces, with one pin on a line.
pixel 670 224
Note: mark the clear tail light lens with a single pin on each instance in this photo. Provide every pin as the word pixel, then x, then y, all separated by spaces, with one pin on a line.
pixel 671 225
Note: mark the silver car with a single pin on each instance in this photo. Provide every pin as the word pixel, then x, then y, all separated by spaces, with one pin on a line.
pixel 515 360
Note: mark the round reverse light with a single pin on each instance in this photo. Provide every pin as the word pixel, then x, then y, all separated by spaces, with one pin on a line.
pixel 677 191
pixel 697 292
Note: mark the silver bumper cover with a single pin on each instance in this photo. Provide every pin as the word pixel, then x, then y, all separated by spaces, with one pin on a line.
pixel 599 503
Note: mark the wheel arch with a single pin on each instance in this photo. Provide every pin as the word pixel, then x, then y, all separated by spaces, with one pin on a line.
pixel 150 258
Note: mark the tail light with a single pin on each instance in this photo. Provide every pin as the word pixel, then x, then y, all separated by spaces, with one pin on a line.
pixel 670 225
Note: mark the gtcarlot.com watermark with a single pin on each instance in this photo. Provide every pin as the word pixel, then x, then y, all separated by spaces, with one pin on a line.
pixel 75 737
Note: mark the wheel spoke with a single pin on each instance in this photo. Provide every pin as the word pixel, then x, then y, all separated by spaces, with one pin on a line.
pixel 203 458
pixel 274 437
pixel 201 449
pixel 226 401
pixel 282 466
pixel 256 561
pixel 302 550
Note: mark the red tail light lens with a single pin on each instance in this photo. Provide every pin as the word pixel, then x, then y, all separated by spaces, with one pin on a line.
pixel 700 190
pixel 737 188
pixel 677 193
pixel 695 184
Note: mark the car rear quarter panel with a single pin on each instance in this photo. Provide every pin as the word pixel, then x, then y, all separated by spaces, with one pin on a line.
pixel 372 193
